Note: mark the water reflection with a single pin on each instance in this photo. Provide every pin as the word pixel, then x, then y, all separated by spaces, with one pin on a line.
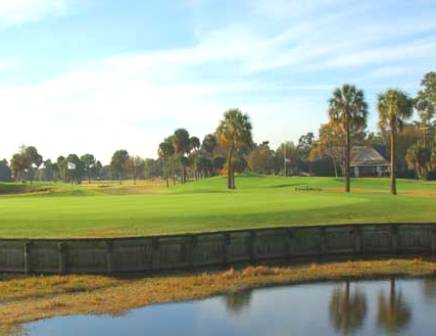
pixel 393 311
pixel 237 301
pixel 429 287
pixel 381 307
pixel 347 310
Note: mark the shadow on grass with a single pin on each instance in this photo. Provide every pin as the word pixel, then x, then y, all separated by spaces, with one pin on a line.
pixel 285 185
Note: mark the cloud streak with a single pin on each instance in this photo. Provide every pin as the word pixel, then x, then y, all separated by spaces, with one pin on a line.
pixel 280 72
pixel 14 12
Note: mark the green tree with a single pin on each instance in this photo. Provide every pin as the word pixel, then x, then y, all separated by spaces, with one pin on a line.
pixel 182 146
pixel 425 104
pixel 135 167
pixel 89 163
pixel 288 157
pixel 209 144
pixel 426 97
pixel 234 133
pixel 118 164
pixel 348 109
pixel 394 106
pixel 75 169
pixel 34 159
pixel 98 170
pixel 165 152
pixel 18 166
pixel 204 165
pixel 153 168
pixel 24 162
pixel 48 172
pixel 195 145
pixel 419 157
pixel 218 163
pixel 5 171
pixel 61 168
pixel 261 159
pixel 329 143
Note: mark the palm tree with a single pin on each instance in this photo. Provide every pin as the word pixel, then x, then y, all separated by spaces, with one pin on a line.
pixel 349 110
pixel 193 155
pixel 182 146
pixel 166 150
pixel 234 133
pixel 419 156
pixel 394 106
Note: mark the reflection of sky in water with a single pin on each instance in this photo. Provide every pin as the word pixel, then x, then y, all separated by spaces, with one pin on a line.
pixel 294 310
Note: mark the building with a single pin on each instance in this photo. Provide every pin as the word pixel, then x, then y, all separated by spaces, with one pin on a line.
pixel 367 161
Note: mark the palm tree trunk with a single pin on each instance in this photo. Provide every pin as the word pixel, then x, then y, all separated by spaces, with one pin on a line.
pixel 230 169
pixel 334 166
pixel 393 159
pixel 285 168
pixel 347 156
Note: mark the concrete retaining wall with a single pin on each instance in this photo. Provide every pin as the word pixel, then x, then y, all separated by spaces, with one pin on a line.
pixel 160 253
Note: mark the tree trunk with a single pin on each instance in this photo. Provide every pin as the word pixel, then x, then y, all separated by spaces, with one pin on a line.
pixel 285 168
pixel 393 159
pixel 335 168
pixel 230 183
pixel 347 155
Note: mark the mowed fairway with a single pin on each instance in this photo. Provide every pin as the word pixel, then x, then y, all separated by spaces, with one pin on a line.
pixel 111 210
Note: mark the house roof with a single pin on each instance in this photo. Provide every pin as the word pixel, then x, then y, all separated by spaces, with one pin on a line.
pixel 365 156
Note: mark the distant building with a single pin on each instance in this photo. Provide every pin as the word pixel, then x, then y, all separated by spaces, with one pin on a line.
pixel 367 161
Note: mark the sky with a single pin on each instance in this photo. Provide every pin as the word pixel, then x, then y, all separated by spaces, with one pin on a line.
pixel 94 76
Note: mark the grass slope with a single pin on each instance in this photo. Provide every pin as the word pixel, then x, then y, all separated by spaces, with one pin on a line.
pixel 59 210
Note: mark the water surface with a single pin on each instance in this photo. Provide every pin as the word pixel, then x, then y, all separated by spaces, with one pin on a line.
pixel 382 307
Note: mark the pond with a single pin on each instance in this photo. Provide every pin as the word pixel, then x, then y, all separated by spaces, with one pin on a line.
pixel 373 307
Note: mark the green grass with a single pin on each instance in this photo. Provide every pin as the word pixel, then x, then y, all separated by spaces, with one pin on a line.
pixel 60 210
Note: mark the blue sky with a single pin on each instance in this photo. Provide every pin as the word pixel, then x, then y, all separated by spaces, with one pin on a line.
pixel 94 76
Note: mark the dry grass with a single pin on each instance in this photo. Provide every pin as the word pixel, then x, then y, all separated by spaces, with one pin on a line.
pixel 27 299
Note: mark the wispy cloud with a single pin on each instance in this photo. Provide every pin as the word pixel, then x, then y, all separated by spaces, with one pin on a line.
pixel 21 11
pixel 281 72
pixel 8 64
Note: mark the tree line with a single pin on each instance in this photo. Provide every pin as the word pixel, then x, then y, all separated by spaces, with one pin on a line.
pixel 408 146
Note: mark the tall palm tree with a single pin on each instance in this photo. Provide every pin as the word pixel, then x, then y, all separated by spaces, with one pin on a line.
pixel 165 151
pixel 234 133
pixel 394 106
pixel 349 110
pixel 182 146
pixel 193 155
